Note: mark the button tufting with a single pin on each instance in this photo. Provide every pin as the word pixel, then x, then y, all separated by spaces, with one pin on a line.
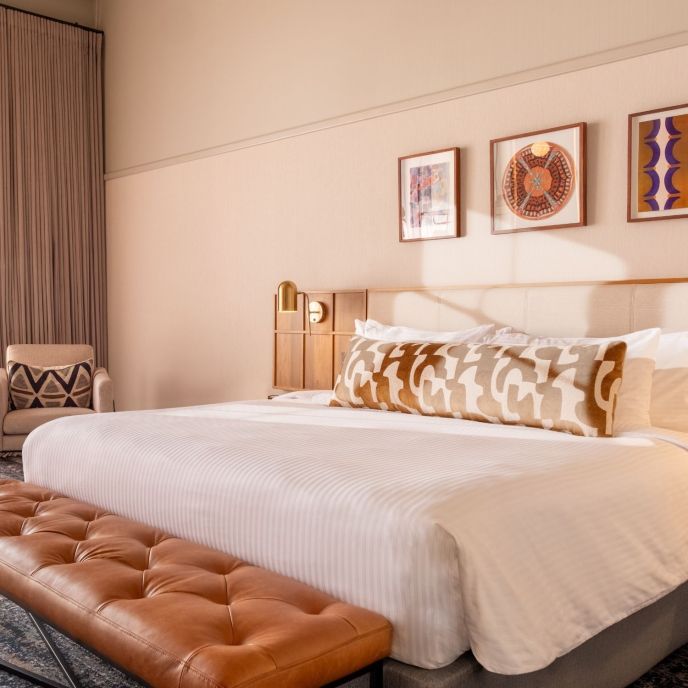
pixel 160 606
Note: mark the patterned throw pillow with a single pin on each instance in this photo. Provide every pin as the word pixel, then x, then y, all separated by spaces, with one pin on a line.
pixel 50 386
pixel 568 388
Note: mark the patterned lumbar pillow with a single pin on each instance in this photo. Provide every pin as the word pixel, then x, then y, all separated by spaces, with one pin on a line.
pixel 568 388
pixel 50 386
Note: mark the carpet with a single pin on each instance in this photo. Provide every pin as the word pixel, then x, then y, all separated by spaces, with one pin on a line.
pixel 21 645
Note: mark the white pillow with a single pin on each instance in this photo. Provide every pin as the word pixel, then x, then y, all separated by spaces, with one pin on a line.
pixel 372 329
pixel 669 403
pixel 493 336
pixel 633 401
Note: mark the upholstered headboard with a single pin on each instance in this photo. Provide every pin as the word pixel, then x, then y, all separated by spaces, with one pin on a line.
pixel 568 309
pixel 311 360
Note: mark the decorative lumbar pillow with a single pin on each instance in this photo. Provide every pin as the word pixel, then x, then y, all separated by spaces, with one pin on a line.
pixel 572 389
pixel 633 405
pixel 50 386
pixel 372 329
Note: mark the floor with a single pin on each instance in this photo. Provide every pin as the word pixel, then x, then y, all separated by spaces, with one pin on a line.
pixel 21 644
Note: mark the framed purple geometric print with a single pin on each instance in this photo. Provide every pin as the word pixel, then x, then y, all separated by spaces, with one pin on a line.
pixel 429 195
pixel 658 164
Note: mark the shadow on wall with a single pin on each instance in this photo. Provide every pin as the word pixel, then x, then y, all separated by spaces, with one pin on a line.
pixel 573 310
pixel 202 324
pixel 585 310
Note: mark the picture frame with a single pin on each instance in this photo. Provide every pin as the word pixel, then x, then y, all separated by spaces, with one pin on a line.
pixel 429 189
pixel 657 181
pixel 538 180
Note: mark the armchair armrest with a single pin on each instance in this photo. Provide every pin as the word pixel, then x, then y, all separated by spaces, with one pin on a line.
pixel 4 397
pixel 103 393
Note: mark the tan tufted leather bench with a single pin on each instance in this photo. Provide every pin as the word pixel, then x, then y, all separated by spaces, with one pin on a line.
pixel 173 613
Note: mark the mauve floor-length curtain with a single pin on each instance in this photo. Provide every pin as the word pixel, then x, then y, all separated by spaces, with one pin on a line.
pixel 52 224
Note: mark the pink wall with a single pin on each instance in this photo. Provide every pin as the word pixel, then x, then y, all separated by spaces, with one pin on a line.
pixel 250 142
pixel 184 76
pixel 196 248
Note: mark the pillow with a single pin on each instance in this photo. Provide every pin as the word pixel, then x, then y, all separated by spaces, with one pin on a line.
pixel 669 402
pixel 372 329
pixel 571 388
pixel 633 406
pixel 489 338
pixel 50 386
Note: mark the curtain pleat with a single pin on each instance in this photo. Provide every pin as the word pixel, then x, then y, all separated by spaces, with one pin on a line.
pixel 52 211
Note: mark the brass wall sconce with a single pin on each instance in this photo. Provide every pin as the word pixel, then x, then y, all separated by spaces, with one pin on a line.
pixel 286 297
pixel 287 302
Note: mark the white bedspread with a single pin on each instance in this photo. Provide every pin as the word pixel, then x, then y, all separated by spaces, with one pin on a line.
pixel 515 542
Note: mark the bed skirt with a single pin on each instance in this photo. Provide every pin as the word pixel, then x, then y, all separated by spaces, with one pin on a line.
pixel 613 658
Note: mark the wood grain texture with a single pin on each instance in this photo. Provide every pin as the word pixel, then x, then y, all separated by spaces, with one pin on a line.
pixel 341 346
pixel 318 362
pixel 290 322
pixel 349 306
pixel 310 357
pixel 326 324
pixel 288 373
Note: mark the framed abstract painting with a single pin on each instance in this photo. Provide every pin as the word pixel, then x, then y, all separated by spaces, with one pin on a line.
pixel 429 195
pixel 658 164
pixel 538 180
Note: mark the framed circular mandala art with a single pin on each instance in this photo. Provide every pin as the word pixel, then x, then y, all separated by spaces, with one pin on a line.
pixel 538 180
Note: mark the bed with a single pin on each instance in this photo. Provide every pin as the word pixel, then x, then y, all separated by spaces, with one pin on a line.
pixel 467 536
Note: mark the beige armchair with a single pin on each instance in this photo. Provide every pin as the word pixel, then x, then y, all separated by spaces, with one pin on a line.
pixel 16 425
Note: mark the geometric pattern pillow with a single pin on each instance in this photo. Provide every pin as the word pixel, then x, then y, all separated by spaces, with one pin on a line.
pixel 567 388
pixel 633 404
pixel 50 386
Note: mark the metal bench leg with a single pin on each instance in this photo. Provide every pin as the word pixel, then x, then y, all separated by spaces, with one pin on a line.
pixel 373 672
pixel 30 675
pixel 7 455
pixel 376 675
pixel 72 681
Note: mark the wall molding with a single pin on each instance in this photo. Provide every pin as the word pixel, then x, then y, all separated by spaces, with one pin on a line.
pixel 625 52
pixel 530 285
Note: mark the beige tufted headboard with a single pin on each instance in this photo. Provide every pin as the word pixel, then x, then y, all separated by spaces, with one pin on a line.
pixel 597 309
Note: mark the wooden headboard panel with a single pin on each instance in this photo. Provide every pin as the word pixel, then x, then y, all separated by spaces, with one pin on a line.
pixel 310 359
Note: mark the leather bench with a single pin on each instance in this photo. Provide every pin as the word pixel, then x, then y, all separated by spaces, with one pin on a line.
pixel 171 612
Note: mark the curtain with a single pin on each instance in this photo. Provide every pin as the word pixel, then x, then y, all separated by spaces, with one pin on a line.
pixel 52 225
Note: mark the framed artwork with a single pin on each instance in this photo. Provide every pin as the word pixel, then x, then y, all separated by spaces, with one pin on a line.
pixel 658 164
pixel 429 195
pixel 538 180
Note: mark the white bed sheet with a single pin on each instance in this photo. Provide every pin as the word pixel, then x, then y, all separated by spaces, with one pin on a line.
pixel 518 543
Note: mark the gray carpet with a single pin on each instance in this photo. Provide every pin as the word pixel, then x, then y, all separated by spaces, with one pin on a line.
pixel 21 645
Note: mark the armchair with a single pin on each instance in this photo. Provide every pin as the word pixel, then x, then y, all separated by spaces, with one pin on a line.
pixel 16 425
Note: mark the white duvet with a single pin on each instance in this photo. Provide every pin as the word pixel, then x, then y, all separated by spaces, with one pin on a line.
pixel 517 543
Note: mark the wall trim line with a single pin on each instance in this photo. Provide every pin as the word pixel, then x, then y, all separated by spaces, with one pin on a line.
pixel 487 286
pixel 530 285
pixel 590 61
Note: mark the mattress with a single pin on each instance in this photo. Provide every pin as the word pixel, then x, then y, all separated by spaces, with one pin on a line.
pixel 517 543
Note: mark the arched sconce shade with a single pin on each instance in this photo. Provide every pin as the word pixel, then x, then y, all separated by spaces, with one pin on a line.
pixel 286 297
pixel 287 302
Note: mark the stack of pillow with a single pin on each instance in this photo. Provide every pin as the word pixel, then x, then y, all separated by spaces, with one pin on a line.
pixel 595 387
